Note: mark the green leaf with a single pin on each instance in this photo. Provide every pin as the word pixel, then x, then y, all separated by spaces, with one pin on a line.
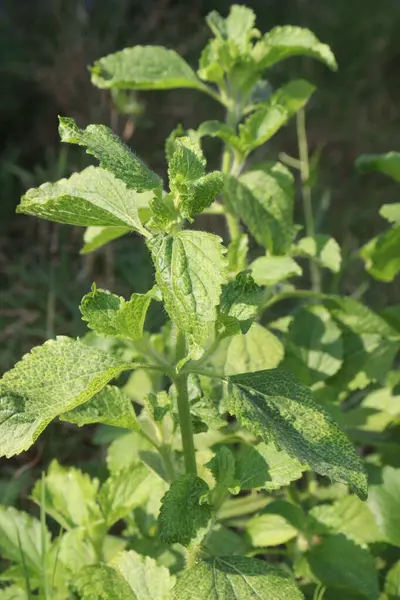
pixel 266 467
pixel 22 538
pixel 13 593
pixel 388 163
pixel 112 154
pixel 111 406
pixel 270 530
pixel 144 68
pixel 391 212
pixel 240 26
pixel 92 197
pixel 240 300
pixel 234 577
pixel 237 253
pixel 384 502
pixel 222 466
pixel 324 249
pixel 273 114
pixel 314 347
pixel 75 550
pixel 190 269
pixel 392 582
pixel 382 255
pixel 102 582
pixel 286 41
pixel 183 517
pixel 339 563
pixel 268 270
pixel 70 496
pixel 224 132
pixel 111 315
pixel 223 540
pixel 273 403
pixel 96 237
pixel 53 379
pixel 263 200
pixel 148 580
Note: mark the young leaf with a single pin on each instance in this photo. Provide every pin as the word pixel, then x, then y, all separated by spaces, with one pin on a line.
pixel 239 26
pixel 324 249
pixel 183 517
pixel 190 269
pixel 234 577
pixel 268 270
pixel 96 237
pixel 111 315
pixel 388 163
pixel 102 582
pixel 273 403
pixel 144 68
pixel 286 41
pixel 148 580
pixel 112 406
pixel 240 300
pixel 382 255
pixel 384 502
pixel 263 200
pixel 270 530
pixel 53 379
pixel 92 197
pixel 112 154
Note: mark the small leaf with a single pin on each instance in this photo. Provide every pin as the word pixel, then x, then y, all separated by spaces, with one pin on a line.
pixel 382 255
pixel 182 517
pixel 388 163
pixel 384 503
pixel 324 249
pixel 234 577
pixel 112 154
pixel 221 131
pixel 269 270
pixel 240 26
pixel 53 379
pixel 144 68
pixel 96 237
pixel 391 212
pixel 240 300
pixel 147 580
pixel 102 582
pixel 270 530
pixel 111 407
pixel 273 403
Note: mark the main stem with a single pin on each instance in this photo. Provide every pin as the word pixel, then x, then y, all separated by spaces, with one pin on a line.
pixel 226 167
pixel 185 418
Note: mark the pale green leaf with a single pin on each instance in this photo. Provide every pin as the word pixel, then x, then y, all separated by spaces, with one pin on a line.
pixel 240 26
pixel 382 255
pixel 53 379
pixel 112 406
pixel 75 550
pixel 392 582
pixel 223 540
pixel 112 154
pixel 190 269
pixel 273 403
pixel 147 580
pixel 96 237
pixel 221 131
pixel 92 197
pixel 234 578
pixel 358 317
pixel 240 301
pixel 124 451
pixel 263 200
pixel 384 501
pixel 13 592
pixel 102 582
pixel 144 68
pixel 324 249
pixel 270 530
pixel 391 212
pixel 237 253
pixel 268 270
pixel 286 41
pixel 183 517
pixel 388 163
pixel 22 538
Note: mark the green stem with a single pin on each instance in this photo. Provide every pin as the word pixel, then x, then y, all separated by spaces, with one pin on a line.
pixel 228 163
pixel 185 422
pixel 293 294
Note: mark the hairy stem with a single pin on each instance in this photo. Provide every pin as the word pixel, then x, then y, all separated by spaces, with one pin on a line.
pixel 185 422
pixel 227 164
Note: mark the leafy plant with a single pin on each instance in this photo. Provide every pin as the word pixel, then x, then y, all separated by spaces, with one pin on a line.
pixel 230 412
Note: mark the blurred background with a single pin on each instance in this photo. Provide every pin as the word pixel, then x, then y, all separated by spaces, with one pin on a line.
pixel 45 48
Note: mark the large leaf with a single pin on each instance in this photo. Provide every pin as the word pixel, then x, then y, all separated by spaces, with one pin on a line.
pixel 102 582
pixel 148 580
pixel 273 403
pixel 190 269
pixel 92 197
pixel 144 68
pixel 263 200
pixel 54 378
pixel 384 503
pixel 234 577
pixel 388 163
pixel 382 254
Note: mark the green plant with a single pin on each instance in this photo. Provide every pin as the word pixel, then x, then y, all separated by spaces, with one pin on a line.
pixel 183 476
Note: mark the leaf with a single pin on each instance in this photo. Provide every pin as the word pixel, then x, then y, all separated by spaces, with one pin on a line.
pixel 22 538
pixel 269 117
pixel 269 270
pixel 13 593
pixel 75 551
pixel 190 269
pixel 324 249
pixel 265 467
pixel 240 26
pixel 273 403
pixel 111 315
pixel 240 300
pixel 263 200
pixel 388 163
pixel 111 406
pixel 222 131
pixel 92 197
pixel 391 212
pixel 237 253
pixel 144 68
pixel 384 501
pixel 183 517
pixel 223 540
pixel 222 466
pixel 392 582
pixel 286 41
pixel 70 496
pixel 147 580
pixel 53 379
pixel 112 154
pixel 234 577
pixel 382 255
pixel 339 563
pixel 96 237
pixel 270 530
pixel 102 582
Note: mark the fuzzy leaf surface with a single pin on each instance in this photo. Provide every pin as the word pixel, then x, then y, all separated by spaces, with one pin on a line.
pixel 148 580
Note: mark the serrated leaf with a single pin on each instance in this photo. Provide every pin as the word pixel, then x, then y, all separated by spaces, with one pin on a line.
pixel 147 579
pixel 265 467
pixel 286 41
pixel 22 538
pixel 110 315
pixel 273 403
pixel 183 518
pixel 240 301
pixel 392 582
pixel 263 200
pixel 382 255
pixel 240 26
pixel 388 163
pixel 324 249
pixel 101 582
pixel 384 503
pixel 112 154
pixel 92 197
pixel 270 530
pixel 112 406
pixel 268 118
pixel 96 237
pixel 268 270
pixel 144 68
pixel 190 269
pixel 53 379
pixel 391 212
pixel 234 577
